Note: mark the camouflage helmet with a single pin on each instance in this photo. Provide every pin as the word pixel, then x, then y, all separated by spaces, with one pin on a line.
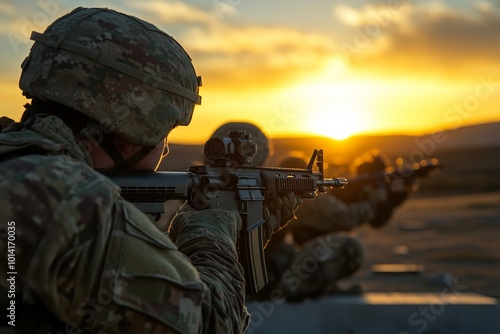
pixel 264 145
pixel 369 162
pixel 294 159
pixel 122 72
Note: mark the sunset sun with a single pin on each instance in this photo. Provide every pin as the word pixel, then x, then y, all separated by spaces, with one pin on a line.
pixel 339 123
pixel 336 110
pixel 339 129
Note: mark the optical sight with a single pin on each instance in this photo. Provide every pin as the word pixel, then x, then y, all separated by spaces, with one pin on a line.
pixel 236 149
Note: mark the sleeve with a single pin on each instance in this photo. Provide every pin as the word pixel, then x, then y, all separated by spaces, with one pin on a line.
pixel 97 264
pixel 396 195
pixel 60 236
pixel 327 214
pixel 208 237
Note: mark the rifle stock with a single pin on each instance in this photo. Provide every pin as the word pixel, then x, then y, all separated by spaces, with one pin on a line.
pixel 227 184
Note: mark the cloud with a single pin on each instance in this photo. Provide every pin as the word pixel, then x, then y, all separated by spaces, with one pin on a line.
pixel 225 52
pixel 20 20
pixel 7 8
pixel 424 39
pixel 12 99
pixel 172 12
pixel 262 55
pixel 347 15
pixel 277 46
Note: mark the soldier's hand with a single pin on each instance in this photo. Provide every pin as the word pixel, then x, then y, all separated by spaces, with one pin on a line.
pixel 189 224
pixel 278 211
pixel 396 193
pixel 377 195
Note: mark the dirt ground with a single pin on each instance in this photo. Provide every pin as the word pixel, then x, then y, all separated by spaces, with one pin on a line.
pixel 442 240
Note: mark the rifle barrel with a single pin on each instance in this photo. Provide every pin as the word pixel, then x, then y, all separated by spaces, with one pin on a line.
pixel 335 183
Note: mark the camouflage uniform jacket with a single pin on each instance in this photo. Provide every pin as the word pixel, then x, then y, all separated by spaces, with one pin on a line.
pixel 88 261
pixel 327 214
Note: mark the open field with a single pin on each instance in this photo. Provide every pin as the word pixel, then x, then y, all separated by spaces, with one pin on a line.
pixel 450 226
pixel 450 248
pixel 453 237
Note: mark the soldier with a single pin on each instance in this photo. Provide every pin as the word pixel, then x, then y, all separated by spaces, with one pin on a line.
pixel 106 89
pixel 322 251
pixel 310 256
pixel 264 147
pixel 264 144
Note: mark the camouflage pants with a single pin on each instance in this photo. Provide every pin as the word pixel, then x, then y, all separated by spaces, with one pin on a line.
pixel 314 270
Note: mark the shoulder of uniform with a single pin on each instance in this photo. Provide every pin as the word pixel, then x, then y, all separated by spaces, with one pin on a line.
pixel 5 122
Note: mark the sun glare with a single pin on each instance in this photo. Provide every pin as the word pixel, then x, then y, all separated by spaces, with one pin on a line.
pixel 336 111
pixel 333 102
pixel 336 117
pixel 337 122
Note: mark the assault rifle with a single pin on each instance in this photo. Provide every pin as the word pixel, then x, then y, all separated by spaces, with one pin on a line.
pixel 231 182
pixel 406 174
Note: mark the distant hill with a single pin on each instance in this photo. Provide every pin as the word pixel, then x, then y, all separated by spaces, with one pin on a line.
pixel 475 136
pixel 342 152
pixel 470 155
pixel 482 135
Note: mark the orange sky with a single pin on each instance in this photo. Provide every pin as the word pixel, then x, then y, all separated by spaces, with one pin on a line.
pixel 360 67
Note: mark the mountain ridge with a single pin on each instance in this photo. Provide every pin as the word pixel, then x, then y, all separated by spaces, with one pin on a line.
pixel 410 147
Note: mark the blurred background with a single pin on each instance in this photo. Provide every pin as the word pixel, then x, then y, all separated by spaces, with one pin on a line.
pixel 414 79
pixel 331 68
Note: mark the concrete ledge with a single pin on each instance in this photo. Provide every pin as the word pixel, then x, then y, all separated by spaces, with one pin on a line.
pixel 400 313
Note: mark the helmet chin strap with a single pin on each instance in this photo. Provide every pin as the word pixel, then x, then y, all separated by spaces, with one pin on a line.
pixel 107 144
pixel 121 164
